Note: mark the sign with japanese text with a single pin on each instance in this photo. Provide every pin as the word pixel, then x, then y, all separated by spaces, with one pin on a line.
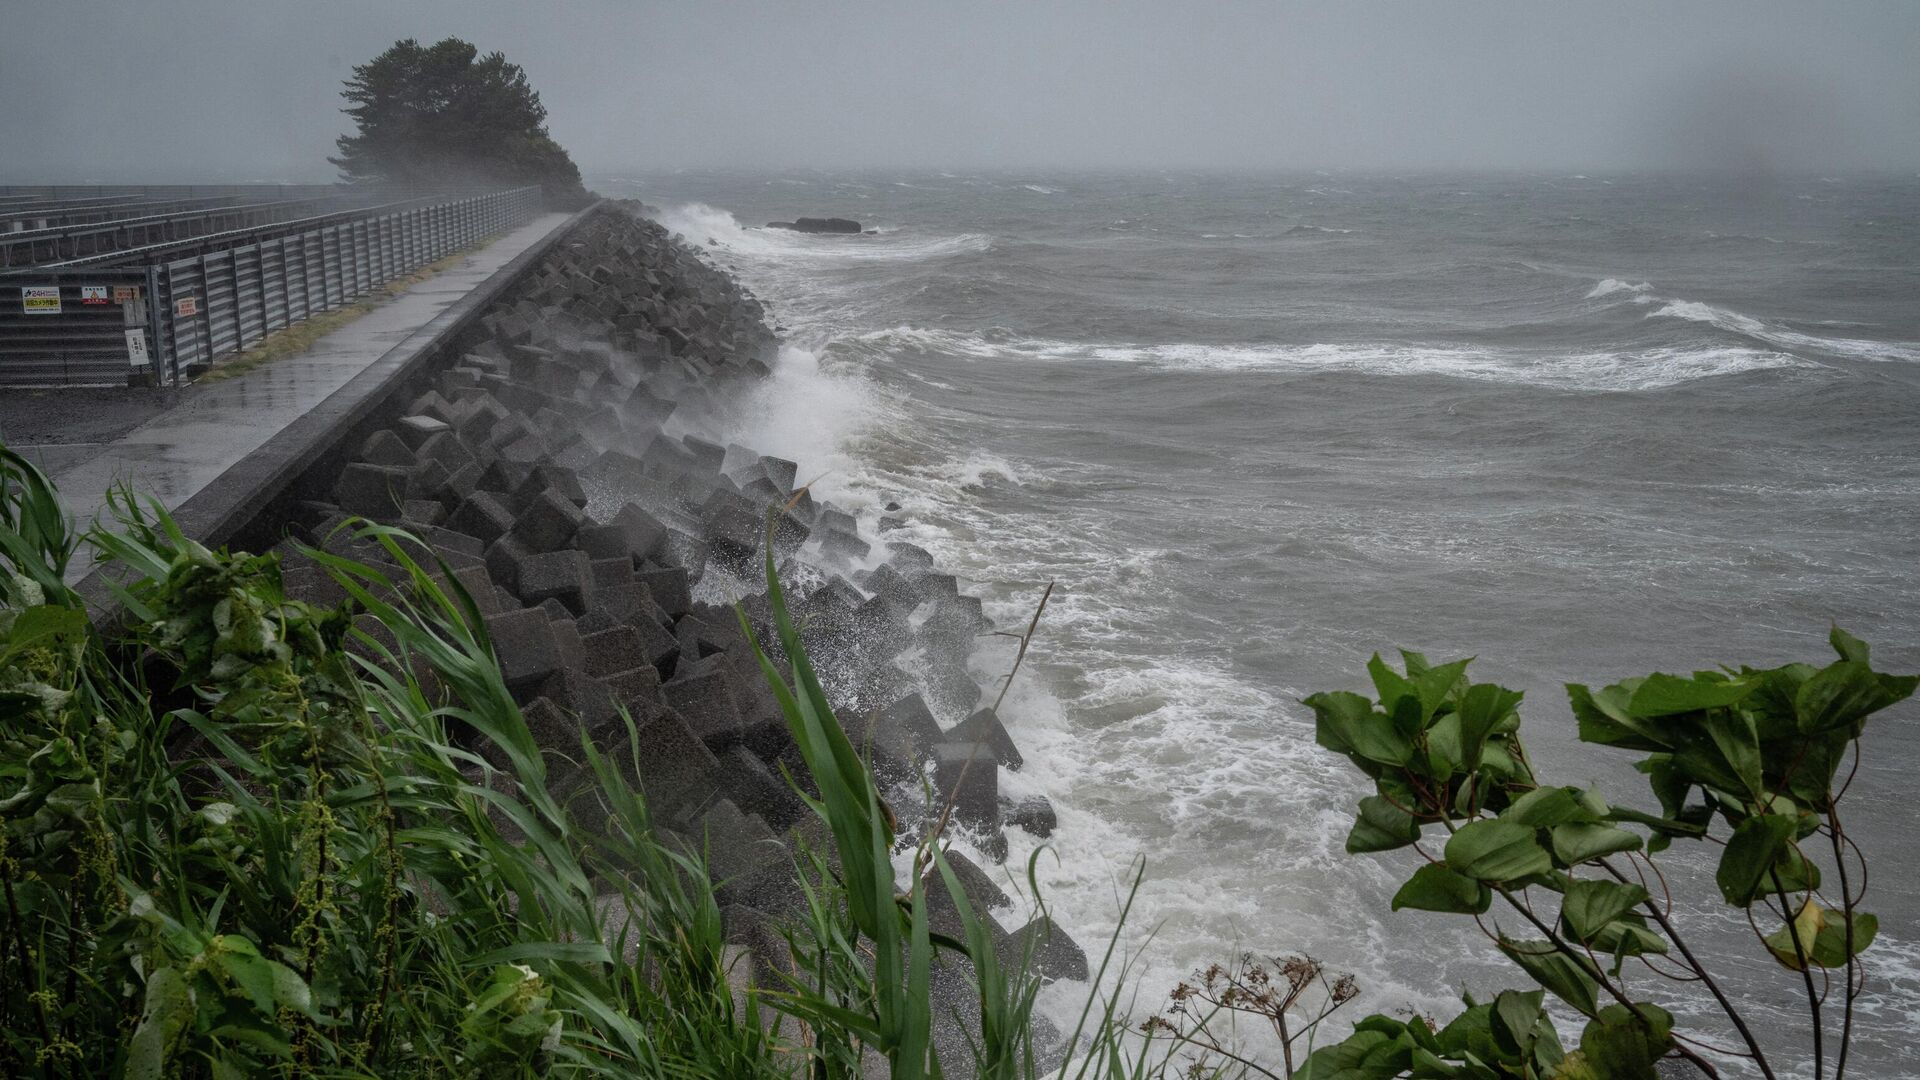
pixel 40 299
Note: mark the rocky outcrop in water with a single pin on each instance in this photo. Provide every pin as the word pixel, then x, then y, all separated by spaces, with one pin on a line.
pixel 817 225
pixel 538 466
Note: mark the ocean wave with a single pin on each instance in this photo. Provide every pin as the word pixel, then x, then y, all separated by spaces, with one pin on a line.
pixel 706 226
pixel 1043 189
pixel 1622 370
pixel 1614 285
pixel 1310 230
pixel 1746 325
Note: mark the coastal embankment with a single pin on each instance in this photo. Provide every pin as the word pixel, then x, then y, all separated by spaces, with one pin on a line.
pixel 568 455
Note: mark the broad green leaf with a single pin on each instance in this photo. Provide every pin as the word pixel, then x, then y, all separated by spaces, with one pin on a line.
pixel 1435 888
pixel 1496 851
pixel 1733 735
pixel 167 1011
pixel 1444 750
pixel 1843 694
pixel 1823 937
pixel 1348 723
pixel 1592 903
pixel 1792 944
pixel 1543 808
pixel 1515 1016
pixel 1575 844
pixel 1604 719
pixel 1572 981
pixel 1381 826
pixel 1367 1054
pixel 1436 684
pixel 44 626
pixel 1481 710
pixel 1848 646
pixel 1750 853
pixel 1830 948
pixel 1389 684
pixel 1470 1033
pixel 1661 694
pixel 1620 1045
pixel 1626 936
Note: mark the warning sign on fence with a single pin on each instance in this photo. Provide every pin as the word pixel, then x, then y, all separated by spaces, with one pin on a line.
pixel 93 294
pixel 186 305
pixel 40 299
pixel 137 348
pixel 126 294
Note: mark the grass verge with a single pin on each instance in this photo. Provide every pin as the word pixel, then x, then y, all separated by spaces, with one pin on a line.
pixel 300 337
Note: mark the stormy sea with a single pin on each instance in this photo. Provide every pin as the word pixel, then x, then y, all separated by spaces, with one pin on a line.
pixel 1259 427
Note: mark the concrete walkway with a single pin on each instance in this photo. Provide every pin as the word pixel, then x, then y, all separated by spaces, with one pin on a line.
pixel 177 453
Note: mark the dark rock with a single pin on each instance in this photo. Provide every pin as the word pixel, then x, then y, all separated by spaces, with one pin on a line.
pixel 985 726
pixel 386 448
pixel 523 641
pixel 417 429
pixel 966 776
pixel 1034 814
pixel 668 586
pixel 374 491
pixel 817 225
pixel 565 575
pixel 482 515
pixel 1048 951
pixel 757 790
pixel 548 521
pixel 702 692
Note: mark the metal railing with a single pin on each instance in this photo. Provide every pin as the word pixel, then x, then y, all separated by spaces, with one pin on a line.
pixel 190 311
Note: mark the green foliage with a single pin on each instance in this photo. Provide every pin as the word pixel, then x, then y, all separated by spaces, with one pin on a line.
pixel 287 856
pixel 1755 752
pixel 443 114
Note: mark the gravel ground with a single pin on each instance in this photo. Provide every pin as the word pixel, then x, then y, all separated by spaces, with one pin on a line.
pixel 84 415
pixel 60 429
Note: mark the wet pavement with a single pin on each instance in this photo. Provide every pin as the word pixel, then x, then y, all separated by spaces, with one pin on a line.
pixel 176 453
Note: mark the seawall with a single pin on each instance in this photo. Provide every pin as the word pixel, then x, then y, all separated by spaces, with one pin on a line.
pixel 547 444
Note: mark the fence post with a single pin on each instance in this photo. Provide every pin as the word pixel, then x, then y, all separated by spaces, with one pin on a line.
pixel 164 371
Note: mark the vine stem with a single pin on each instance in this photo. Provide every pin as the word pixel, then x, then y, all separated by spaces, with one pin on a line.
pixel 1804 954
pixel 1605 983
pixel 1847 900
pixel 1713 987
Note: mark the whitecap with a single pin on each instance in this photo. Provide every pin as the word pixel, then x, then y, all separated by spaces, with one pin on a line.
pixel 1600 370
pixel 1614 285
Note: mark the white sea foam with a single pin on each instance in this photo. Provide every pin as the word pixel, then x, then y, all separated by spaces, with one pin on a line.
pixel 1614 285
pixel 707 226
pixel 1735 322
pixel 1643 369
pixel 1042 189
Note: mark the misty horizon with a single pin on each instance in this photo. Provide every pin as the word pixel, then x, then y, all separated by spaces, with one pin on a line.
pixel 244 92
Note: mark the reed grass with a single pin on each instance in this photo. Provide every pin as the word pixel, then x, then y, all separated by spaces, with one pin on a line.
pixel 258 838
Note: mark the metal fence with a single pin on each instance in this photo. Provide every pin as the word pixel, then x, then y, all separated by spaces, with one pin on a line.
pixel 169 321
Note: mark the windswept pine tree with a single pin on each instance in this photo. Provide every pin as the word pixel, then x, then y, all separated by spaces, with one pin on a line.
pixel 443 113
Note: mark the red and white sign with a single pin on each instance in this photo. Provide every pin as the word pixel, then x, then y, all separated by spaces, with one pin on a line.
pixel 126 294
pixel 186 305
pixel 93 294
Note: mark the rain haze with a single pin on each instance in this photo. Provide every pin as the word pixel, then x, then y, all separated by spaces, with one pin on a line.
pixel 1116 389
pixel 246 90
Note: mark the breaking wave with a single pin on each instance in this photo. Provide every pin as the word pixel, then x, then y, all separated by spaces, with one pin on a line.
pixel 1615 285
pixel 705 226
pixel 1608 370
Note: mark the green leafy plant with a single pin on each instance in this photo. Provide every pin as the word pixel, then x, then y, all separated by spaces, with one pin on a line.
pixel 251 836
pixel 1748 760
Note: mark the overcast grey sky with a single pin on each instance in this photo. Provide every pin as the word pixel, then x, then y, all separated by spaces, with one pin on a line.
pixel 172 90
